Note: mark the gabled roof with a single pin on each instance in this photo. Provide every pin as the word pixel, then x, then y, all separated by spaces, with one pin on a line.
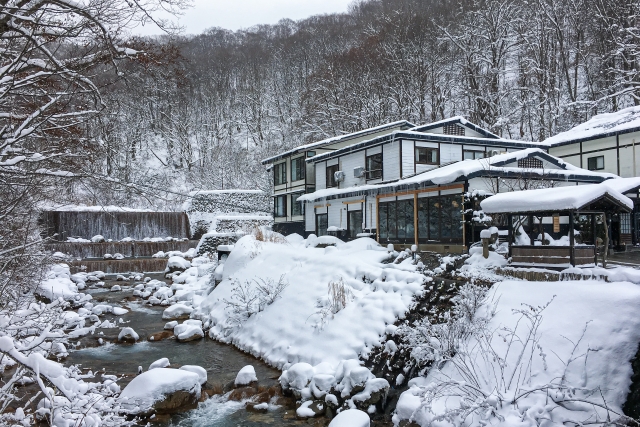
pixel 455 120
pixel 340 138
pixel 599 126
pixel 422 136
pixel 496 166
pixel 624 185
pixel 559 199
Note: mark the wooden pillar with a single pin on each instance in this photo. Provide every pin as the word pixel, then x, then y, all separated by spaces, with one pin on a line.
pixel 415 218
pixel 595 239
pixel 377 208
pixel 531 231
pixel 510 235
pixel 572 241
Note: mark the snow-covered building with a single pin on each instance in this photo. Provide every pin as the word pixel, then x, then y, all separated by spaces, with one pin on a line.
pixel 293 176
pixel 605 143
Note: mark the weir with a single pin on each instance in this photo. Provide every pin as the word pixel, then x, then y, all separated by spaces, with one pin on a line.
pixel 115 225
pixel 58 226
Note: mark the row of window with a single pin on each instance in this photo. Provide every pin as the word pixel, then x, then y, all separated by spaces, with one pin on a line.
pixel 280 205
pixel 297 171
pixel 439 219
pixel 373 163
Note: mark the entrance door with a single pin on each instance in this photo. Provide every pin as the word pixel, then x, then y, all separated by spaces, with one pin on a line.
pixel 354 223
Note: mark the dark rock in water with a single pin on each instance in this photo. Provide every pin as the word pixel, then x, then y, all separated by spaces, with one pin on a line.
pixel 179 401
pixel 318 407
pixel 243 393
pixel 159 336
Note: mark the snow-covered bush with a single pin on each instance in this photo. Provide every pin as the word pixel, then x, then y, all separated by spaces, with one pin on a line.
pixel 251 297
pixel 438 342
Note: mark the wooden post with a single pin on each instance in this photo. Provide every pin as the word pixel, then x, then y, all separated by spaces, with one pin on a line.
pixel 531 231
pixel 415 219
pixel 595 239
pixel 510 235
pixel 377 208
pixel 572 241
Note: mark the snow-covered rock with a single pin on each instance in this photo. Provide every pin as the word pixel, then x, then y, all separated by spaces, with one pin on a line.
pixel 202 373
pixel 162 389
pixel 127 334
pixel 177 311
pixel 186 332
pixel 246 376
pixel 350 418
pixel 98 239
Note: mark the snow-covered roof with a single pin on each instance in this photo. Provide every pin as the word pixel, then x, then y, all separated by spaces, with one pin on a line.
pixel 336 139
pixel 554 199
pixel 423 136
pixel 467 169
pixel 85 208
pixel 457 120
pixel 234 191
pixel 624 185
pixel 600 126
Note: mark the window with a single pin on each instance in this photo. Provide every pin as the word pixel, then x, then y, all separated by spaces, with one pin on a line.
pixel 331 176
pixel 595 163
pixel 297 208
pixel 280 173
pixel 280 206
pixel 374 166
pixel 354 223
pixel 297 169
pixel 311 153
pixel 472 154
pixel 427 156
pixel 530 163
pixel 453 129
pixel 322 223
pixel 396 220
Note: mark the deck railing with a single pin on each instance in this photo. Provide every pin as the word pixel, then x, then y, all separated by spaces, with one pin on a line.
pixel 552 255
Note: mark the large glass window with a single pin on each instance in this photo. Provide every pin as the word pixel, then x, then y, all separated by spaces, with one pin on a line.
pixel 423 219
pixel 374 166
pixel 427 156
pixel 280 206
pixel 297 169
pixel 280 173
pixel 297 208
pixel 354 223
pixel 331 176
pixel 434 217
pixel 322 223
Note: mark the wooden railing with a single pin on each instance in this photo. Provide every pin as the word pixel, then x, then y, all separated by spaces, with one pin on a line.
pixel 552 255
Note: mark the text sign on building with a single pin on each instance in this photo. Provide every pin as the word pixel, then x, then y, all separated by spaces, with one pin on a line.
pixel 556 223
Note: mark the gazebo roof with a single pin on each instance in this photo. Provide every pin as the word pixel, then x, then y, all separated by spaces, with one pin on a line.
pixel 592 197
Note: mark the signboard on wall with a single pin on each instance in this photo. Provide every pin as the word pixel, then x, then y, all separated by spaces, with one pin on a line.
pixel 556 223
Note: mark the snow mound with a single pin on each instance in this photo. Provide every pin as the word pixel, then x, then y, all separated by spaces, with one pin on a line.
pixel 154 385
pixel 303 321
pixel 176 311
pixel 187 332
pixel 128 332
pixel 584 335
pixel 160 363
pixel 351 418
pixel 246 376
pixel 202 373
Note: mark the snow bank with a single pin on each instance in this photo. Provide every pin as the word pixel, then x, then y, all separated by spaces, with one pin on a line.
pixel 587 332
pixel 154 385
pixel 304 323
pixel 58 284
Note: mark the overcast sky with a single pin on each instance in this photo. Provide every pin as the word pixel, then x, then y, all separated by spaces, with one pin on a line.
pixel 237 14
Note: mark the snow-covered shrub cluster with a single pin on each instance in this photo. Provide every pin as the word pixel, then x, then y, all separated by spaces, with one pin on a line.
pixel 348 385
pixel 252 297
pixel 549 353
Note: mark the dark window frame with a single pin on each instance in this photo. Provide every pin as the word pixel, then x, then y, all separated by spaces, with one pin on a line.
pixel 282 197
pixel 428 149
pixel 484 154
pixel 295 203
pixel 324 232
pixel 331 175
pixel 349 214
pixel 595 160
pixel 281 170
pixel 372 174
pixel 301 169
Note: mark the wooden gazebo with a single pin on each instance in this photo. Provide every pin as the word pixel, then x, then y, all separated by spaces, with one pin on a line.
pixel 571 201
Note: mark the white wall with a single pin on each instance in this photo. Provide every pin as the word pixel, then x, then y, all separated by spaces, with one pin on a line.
pixel 450 153
pixel 347 164
pixel 391 161
pixel 408 158
pixel 321 177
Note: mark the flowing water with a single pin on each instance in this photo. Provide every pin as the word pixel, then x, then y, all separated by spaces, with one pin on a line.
pixel 221 361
